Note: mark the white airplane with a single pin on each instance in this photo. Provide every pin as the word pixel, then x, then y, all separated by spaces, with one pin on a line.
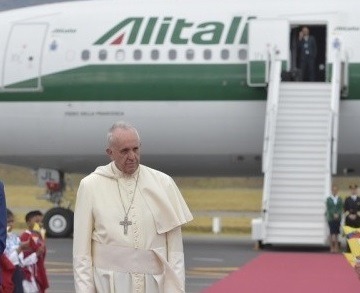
pixel 190 77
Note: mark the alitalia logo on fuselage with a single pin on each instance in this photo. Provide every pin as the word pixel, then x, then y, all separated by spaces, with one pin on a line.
pixel 158 31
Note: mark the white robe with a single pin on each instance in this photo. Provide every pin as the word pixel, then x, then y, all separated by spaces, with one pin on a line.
pixel 157 213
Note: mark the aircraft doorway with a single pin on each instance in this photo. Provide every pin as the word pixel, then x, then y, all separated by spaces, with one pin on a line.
pixel 319 33
pixel 22 65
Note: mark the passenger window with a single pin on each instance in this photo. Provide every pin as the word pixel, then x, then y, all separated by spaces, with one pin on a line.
pixel 242 54
pixel 225 54
pixel 85 55
pixel 190 54
pixel 120 55
pixel 102 55
pixel 137 54
pixel 172 54
pixel 155 54
pixel 207 54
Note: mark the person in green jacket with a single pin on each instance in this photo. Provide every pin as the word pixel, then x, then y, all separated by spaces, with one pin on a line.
pixel 334 207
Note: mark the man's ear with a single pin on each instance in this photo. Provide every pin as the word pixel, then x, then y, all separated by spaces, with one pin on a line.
pixel 109 152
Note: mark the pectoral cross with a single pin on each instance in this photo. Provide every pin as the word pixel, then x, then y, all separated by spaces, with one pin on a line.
pixel 125 223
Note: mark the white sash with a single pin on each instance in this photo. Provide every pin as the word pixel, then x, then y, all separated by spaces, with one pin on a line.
pixel 126 259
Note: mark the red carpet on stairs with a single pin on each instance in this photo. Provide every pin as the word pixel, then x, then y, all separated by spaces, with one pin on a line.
pixel 291 273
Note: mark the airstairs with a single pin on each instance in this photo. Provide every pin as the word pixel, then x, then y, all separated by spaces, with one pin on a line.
pixel 299 157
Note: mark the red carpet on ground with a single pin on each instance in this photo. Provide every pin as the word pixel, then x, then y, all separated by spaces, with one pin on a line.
pixel 291 273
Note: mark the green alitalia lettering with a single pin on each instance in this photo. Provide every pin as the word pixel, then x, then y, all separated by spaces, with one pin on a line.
pixel 134 21
pixel 149 30
pixel 245 33
pixel 177 31
pixel 163 31
pixel 230 38
pixel 211 35
pixel 180 26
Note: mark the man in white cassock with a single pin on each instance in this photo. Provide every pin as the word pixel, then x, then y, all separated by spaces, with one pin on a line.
pixel 127 224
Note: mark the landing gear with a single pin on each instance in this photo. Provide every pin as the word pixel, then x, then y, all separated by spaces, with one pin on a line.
pixel 58 221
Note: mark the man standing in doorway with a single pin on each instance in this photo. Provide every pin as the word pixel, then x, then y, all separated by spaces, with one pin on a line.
pixel 308 50
pixel 127 224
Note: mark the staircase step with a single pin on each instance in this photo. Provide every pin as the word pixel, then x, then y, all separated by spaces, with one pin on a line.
pixel 301 86
pixel 321 124
pixel 291 188
pixel 304 108
pixel 315 205
pixel 301 119
pixel 314 143
pixel 301 140
pixel 303 211
pixel 304 112
pixel 280 181
pixel 297 175
pixel 283 129
pixel 299 169
pixel 292 217
pixel 289 98
pixel 295 196
pixel 286 225
pixel 304 149
pixel 299 156
pixel 305 95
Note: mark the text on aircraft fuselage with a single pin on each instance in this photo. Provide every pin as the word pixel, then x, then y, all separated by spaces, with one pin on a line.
pixel 181 32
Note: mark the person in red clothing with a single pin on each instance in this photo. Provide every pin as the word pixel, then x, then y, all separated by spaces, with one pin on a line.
pixel 3 225
pixel 7 271
pixel 35 274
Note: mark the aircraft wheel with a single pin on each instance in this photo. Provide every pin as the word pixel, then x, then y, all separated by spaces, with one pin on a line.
pixel 59 222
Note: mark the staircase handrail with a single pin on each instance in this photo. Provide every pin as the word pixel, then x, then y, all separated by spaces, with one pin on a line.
pixel 270 126
pixel 335 104
pixel 271 111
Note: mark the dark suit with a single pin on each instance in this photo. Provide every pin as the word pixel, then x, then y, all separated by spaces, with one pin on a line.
pixel 3 220
pixel 307 50
pixel 352 207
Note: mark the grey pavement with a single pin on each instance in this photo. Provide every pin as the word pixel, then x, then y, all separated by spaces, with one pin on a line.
pixel 208 259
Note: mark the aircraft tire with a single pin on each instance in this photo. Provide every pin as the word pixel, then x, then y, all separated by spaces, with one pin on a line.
pixel 59 222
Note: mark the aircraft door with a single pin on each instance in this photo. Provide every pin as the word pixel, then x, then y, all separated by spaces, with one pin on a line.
pixel 23 55
pixel 265 37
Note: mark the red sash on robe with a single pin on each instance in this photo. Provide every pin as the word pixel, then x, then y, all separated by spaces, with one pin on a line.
pixel 40 272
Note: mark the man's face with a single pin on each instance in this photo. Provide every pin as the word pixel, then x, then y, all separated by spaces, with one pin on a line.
pixel 39 220
pixel 305 31
pixel 10 223
pixel 354 190
pixel 125 150
pixel 31 223
pixel 335 190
